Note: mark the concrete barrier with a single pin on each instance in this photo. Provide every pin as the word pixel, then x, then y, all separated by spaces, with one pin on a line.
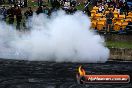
pixel 115 37
pixel 120 54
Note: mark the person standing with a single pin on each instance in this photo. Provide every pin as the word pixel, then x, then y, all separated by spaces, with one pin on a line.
pixel 3 12
pixel 39 10
pixel 45 10
pixel 18 14
pixel 55 5
pixel 109 17
pixel 100 9
pixel 11 13
pixel 72 10
pixel 25 3
pixel 126 8
pixel 40 2
pixel 28 13
pixel 2 2
pixel 9 1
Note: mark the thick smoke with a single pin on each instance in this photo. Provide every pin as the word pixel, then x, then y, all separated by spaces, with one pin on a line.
pixel 61 38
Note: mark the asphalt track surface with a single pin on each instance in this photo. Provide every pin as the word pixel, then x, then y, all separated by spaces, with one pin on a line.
pixel 38 74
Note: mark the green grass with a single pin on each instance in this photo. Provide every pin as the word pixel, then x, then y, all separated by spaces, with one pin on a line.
pixel 34 4
pixel 80 7
pixel 118 44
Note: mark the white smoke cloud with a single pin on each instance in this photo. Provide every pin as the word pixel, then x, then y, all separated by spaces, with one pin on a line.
pixel 61 38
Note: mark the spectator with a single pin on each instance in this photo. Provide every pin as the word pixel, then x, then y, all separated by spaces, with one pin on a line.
pixel 40 2
pixel 45 10
pixel 100 9
pixel 118 8
pixel 72 10
pixel 121 6
pixel 113 4
pixel 110 4
pixel 73 3
pixel 28 13
pixel 18 14
pixel 2 2
pixel 120 3
pixel 3 12
pixel 106 7
pixel 66 6
pixel 39 10
pixel 20 3
pixel 94 2
pixel 61 2
pixel 1 16
pixel 25 3
pixel 11 13
pixel 103 8
pixel 10 2
pixel 126 8
pixel 55 5
pixel 99 1
pixel 109 17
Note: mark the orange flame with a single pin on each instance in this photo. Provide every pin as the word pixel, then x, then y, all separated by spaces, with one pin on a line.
pixel 81 71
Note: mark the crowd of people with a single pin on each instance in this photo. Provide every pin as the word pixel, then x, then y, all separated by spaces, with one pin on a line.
pixel 10 14
pixel 120 6
pixel 22 3
pixel 14 12
pixel 111 10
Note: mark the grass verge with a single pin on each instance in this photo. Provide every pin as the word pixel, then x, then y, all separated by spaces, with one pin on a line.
pixel 117 44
